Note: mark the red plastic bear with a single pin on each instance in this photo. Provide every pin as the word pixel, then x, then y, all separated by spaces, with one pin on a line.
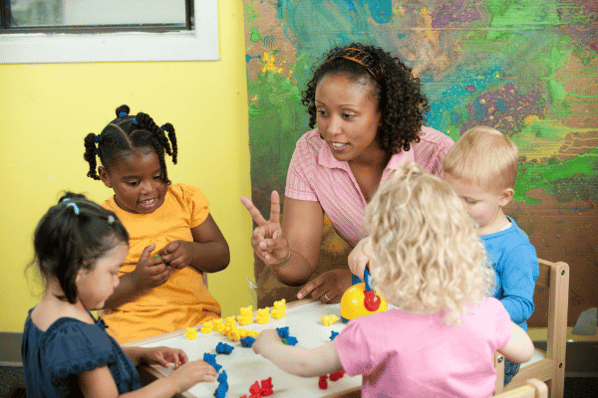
pixel 336 376
pixel 323 383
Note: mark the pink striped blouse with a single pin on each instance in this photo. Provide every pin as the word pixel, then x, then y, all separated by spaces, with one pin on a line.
pixel 315 175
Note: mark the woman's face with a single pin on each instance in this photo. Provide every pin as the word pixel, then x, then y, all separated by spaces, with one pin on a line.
pixel 348 117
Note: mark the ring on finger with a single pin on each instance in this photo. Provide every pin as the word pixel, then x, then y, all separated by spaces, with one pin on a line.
pixel 326 296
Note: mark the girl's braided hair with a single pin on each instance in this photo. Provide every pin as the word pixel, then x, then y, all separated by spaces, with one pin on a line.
pixel 400 100
pixel 126 133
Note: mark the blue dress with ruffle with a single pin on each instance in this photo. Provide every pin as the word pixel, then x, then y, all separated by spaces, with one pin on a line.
pixel 53 359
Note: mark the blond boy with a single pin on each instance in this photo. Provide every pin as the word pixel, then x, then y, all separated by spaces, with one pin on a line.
pixel 482 168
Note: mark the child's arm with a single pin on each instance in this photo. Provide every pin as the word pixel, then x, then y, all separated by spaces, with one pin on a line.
pixel 149 273
pixel 518 280
pixel 299 361
pixel 519 348
pixel 98 383
pixel 207 253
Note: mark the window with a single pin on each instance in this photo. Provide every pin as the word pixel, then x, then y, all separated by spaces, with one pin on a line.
pixel 40 31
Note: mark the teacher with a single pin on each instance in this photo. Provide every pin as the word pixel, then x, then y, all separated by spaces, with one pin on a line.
pixel 369 112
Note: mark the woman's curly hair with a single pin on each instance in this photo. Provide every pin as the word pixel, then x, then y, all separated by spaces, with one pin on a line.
pixel 400 100
pixel 427 254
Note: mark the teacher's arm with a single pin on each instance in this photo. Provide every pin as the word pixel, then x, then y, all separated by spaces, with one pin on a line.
pixel 302 225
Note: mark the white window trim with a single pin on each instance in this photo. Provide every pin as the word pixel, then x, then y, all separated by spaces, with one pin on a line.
pixel 198 45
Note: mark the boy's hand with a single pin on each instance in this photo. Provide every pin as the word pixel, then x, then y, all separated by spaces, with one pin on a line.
pixel 191 373
pixel 150 272
pixel 177 254
pixel 164 356
pixel 266 341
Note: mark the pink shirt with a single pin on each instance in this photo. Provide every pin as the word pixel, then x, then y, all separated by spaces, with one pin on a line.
pixel 410 355
pixel 315 175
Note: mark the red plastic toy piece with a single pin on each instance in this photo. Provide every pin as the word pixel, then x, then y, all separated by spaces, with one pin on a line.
pixel 255 390
pixel 323 383
pixel 266 389
pixel 336 376
pixel 371 300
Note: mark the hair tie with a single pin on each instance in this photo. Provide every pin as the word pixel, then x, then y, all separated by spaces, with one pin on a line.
pixel 362 58
pixel 110 219
pixel 74 206
pixel 123 114
pixel 135 122
pixel 98 138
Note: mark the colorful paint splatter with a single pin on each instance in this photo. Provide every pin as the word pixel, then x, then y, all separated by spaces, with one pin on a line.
pixel 525 67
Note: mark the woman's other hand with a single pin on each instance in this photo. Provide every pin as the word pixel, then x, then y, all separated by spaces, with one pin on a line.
pixel 328 287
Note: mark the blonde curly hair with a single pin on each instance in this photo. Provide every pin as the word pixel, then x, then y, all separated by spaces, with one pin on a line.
pixel 427 254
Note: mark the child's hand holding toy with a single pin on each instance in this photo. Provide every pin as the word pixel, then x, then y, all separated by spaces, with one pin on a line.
pixel 177 254
pixel 359 258
pixel 150 272
pixel 265 342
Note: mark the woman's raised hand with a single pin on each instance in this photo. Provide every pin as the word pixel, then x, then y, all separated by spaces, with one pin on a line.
pixel 267 239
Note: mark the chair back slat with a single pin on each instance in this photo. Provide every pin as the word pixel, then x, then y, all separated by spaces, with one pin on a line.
pixel 554 278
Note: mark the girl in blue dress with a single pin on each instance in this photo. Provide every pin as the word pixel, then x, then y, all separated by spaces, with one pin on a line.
pixel 79 248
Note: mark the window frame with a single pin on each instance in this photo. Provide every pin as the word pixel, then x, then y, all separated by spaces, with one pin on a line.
pixel 199 44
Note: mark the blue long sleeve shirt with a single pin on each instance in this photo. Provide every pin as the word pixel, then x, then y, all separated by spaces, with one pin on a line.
pixel 516 267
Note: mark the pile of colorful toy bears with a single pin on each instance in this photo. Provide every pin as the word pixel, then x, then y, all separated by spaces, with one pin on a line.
pixel 228 327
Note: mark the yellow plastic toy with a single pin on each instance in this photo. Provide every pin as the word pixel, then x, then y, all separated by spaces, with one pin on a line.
pixel 246 311
pixel 262 319
pixel 245 320
pixel 191 333
pixel 280 305
pixel 243 333
pixel 328 320
pixel 278 313
pixel 360 300
pixel 253 333
pixel 263 315
pixel 234 335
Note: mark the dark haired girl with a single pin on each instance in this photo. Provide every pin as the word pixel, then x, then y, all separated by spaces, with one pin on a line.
pixel 369 112
pixel 79 249
pixel 174 239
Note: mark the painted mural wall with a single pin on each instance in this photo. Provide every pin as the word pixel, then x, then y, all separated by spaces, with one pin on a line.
pixel 526 67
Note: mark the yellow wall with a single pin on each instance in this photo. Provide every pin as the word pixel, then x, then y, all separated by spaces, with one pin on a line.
pixel 47 109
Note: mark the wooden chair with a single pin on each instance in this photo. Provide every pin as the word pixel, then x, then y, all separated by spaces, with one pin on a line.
pixel 548 366
pixel 533 388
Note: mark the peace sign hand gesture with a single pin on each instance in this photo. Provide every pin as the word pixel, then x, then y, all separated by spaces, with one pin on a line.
pixel 267 240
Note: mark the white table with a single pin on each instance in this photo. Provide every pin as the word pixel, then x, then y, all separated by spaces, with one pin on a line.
pixel 244 367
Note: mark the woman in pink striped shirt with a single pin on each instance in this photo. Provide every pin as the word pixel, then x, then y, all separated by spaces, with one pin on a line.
pixel 369 112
